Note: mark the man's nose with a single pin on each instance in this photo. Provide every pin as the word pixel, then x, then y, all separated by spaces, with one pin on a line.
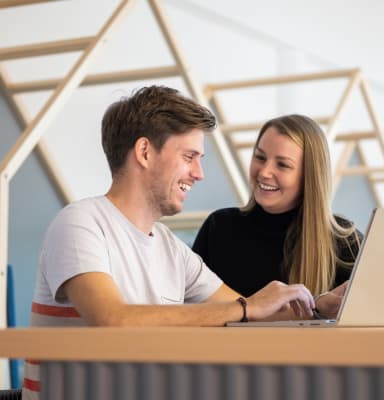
pixel 197 170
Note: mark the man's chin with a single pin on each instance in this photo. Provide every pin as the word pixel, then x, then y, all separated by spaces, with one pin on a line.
pixel 172 210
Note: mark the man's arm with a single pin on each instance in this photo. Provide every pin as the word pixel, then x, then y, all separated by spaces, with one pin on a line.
pixel 99 301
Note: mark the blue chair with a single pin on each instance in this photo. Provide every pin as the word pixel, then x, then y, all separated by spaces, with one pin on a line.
pixel 11 321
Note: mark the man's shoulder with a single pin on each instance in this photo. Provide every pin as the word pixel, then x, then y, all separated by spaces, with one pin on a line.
pixel 80 212
pixel 89 205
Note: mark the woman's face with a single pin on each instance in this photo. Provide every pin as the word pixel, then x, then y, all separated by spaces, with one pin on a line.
pixel 276 172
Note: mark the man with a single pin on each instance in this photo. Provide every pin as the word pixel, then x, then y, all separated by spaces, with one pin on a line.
pixel 105 261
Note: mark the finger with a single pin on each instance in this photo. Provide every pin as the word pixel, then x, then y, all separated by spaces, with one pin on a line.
pixel 305 297
pixel 296 308
pixel 307 303
pixel 344 287
pixel 341 289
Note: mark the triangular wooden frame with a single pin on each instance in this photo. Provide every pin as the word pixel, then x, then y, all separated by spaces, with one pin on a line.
pixel 352 140
pixel 62 90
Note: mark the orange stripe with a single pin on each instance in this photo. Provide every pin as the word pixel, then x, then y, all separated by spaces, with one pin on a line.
pixel 34 362
pixel 54 311
pixel 31 385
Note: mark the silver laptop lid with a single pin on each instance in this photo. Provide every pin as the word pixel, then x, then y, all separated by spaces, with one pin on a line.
pixel 364 298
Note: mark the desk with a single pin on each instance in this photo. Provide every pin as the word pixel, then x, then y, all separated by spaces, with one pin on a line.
pixel 203 363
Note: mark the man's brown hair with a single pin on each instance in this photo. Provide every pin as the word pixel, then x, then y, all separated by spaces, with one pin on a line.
pixel 154 112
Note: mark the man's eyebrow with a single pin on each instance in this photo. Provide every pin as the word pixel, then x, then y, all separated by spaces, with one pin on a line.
pixel 194 152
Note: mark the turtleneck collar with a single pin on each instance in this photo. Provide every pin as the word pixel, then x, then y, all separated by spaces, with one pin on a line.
pixel 279 222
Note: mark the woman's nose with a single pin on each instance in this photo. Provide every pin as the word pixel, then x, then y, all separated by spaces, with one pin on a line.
pixel 266 170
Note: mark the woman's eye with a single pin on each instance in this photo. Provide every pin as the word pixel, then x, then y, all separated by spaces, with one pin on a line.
pixel 282 165
pixel 259 157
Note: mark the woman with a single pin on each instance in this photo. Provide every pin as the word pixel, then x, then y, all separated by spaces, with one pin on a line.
pixel 286 231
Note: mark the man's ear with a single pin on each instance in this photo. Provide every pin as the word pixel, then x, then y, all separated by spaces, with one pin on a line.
pixel 142 149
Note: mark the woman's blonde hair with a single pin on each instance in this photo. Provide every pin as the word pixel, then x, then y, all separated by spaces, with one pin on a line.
pixel 310 254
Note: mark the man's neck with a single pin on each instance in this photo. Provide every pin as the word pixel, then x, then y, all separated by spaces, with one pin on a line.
pixel 133 207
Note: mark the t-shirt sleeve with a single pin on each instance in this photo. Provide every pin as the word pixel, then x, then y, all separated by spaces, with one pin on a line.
pixel 201 282
pixel 74 244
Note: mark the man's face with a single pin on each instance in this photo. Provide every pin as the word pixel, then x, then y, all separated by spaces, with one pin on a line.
pixel 174 170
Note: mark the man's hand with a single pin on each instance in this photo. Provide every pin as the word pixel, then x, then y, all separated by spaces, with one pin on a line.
pixel 329 304
pixel 276 296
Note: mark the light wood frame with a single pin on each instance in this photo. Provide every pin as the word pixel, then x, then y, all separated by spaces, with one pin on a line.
pixel 351 140
pixel 62 90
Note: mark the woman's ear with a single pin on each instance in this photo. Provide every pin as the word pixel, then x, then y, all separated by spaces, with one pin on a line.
pixel 142 149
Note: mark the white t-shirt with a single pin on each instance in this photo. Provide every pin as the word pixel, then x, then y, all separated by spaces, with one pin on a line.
pixel 92 235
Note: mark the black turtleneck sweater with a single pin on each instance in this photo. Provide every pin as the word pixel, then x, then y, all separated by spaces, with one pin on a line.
pixel 246 250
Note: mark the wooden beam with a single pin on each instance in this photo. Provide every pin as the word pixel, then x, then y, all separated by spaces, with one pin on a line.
pixel 222 120
pixel 355 136
pixel 98 79
pixel 23 119
pixel 233 173
pixel 185 220
pixel 361 170
pixel 345 156
pixel 354 81
pixel 32 134
pixel 369 177
pixel 227 128
pixel 34 131
pixel 242 127
pixel 245 144
pixel 41 49
pixel 278 80
pixel 16 3
pixel 372 113
pixel 378 180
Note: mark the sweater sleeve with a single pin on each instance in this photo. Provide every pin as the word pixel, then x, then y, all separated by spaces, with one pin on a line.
pixel 347 251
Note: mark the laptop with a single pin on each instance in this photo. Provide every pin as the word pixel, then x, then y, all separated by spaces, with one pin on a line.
pixel 363 300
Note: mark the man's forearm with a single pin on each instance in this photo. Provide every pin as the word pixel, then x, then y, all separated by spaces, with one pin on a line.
pixel 205 314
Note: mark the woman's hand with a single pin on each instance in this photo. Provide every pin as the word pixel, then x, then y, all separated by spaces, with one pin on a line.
pixel 328 304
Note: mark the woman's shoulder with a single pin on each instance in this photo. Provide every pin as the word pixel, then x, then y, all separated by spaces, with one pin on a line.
pixel 348 246
pixel 225 216
pixel 347 223
pixel 226 212
pixel 343 221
